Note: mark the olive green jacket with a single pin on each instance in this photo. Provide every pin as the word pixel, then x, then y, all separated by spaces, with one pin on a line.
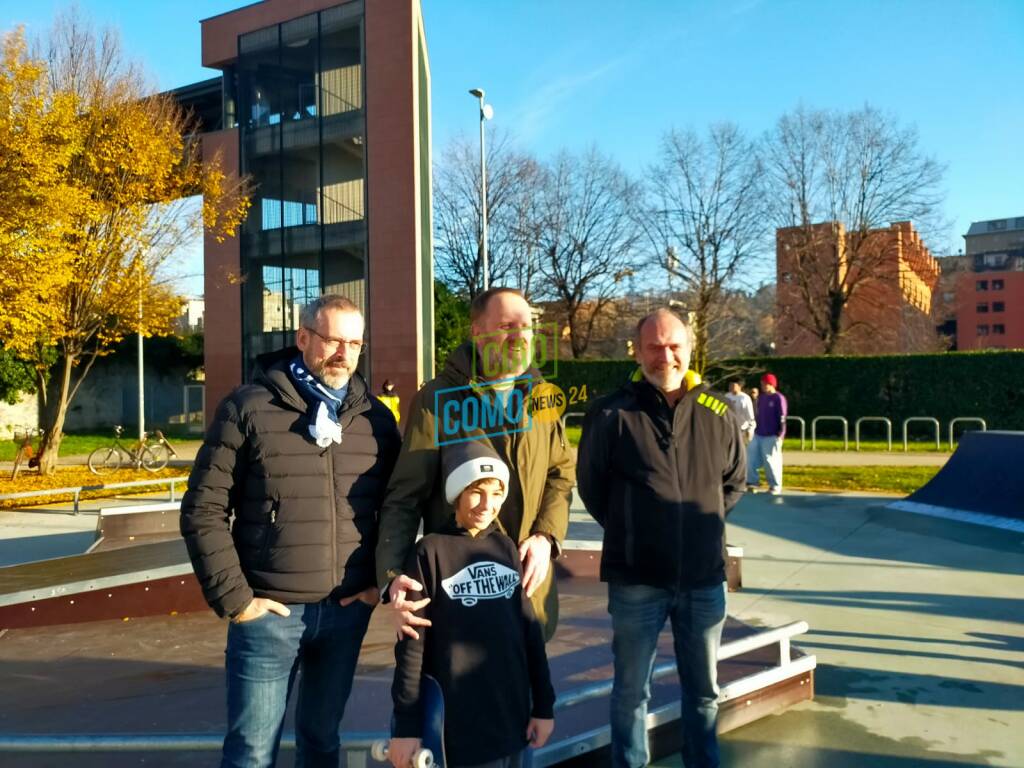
pixel 541 460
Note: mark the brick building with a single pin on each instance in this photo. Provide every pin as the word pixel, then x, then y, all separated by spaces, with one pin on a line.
pixel 889 273
pixel 990 286
pixel 325 106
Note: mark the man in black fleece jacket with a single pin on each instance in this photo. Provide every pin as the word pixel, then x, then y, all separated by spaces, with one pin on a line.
pixel 661 462
pixel 484 646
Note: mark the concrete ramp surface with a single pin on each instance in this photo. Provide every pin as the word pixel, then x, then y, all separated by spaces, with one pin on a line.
pixel 984 476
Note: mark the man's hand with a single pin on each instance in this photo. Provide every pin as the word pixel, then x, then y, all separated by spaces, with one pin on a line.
pixel 403 611
pixel 370 596
pixel 535 553
pixel 402 751
pixel 539 731
pixel 259 606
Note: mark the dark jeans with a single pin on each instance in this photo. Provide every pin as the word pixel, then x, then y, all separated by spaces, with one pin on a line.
pixel 264 655
pixel 638 615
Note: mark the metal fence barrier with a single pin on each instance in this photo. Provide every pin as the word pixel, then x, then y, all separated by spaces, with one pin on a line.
pixel 964 419
pixel 882 419
pixel 922 420
pixel 572 415
pixel 814 430
pixel 77 490
pixel 803 429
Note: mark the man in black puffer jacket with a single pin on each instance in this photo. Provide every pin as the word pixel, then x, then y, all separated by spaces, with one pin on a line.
pixel 300 460
pixel 660 464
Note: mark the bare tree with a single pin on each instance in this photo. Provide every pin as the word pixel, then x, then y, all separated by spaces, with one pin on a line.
pixel 588 240
pixel 704 219
pixel 835 180
pixel 512 179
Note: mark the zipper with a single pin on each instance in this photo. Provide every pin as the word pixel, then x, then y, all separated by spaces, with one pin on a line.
pixel 334 517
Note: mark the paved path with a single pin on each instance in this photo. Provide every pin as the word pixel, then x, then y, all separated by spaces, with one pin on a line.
pixel 864 458
pixel 917 624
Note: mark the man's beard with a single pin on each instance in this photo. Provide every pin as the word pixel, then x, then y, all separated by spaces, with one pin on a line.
pixel 666 379
pixel 334 377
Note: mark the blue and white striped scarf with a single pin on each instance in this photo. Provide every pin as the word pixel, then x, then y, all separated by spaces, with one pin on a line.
pixel 324 403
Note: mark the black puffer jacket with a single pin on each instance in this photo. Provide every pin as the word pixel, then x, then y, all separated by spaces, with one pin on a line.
pixel 660 481
pixel 305 517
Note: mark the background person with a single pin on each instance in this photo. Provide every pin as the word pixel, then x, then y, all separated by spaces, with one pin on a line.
pixel 742 408
pixel 661 463
pixel 299 459
pixel 390 398
pixel 766 448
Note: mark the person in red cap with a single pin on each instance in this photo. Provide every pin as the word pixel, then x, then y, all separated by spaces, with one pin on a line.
pixel 766 447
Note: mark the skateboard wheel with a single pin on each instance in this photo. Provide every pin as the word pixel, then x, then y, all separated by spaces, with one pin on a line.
pixel 379 751
pixel 423 759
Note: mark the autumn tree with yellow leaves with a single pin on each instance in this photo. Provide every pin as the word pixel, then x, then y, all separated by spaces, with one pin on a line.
pixel 94 170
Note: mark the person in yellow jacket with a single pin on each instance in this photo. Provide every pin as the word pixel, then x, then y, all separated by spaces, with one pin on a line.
pixel 389 397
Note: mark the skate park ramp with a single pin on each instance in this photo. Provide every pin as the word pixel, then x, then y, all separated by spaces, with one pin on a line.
pixel 981 482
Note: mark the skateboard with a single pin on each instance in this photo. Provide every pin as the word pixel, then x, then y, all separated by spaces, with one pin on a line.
pixel 432 753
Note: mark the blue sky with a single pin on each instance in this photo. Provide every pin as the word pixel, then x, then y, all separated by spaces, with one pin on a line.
pixel 577 73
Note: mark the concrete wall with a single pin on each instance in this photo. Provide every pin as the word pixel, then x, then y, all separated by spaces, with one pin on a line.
pixel 24 413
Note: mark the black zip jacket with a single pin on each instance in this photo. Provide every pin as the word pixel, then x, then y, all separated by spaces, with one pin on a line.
pixel 485 647
pixel 660 481
pixel 269 513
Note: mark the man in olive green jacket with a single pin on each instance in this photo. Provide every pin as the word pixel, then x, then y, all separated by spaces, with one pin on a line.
pixel 536 513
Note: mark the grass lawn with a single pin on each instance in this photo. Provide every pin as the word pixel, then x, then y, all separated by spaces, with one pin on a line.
pixel 82 444
pixel 901 480
pixel 793 444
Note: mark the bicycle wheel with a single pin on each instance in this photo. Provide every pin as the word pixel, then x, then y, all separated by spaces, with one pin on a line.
pixel 154 457
pixel 103 461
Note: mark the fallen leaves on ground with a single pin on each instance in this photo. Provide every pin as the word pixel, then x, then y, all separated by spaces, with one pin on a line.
pixel 72 477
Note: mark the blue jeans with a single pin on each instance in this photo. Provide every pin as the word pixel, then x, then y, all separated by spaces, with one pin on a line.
pixel 264 655
pixel 638 615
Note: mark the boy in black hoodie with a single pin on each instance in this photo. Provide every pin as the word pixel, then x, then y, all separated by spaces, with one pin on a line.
pixel 484 645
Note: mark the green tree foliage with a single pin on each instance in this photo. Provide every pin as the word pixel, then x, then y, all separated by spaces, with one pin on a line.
pixel 451 322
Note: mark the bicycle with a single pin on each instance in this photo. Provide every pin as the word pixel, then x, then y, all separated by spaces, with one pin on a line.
pixel 27 454
pixel 143 454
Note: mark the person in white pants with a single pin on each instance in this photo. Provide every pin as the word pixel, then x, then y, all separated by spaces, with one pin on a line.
pixel 766 447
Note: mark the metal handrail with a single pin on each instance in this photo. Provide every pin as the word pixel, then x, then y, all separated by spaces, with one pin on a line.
pixel 883 419
pixel 365 741
pixel 972 419
pixel 922 419
pixel 803 429
pixel 814 430
pixel 77 490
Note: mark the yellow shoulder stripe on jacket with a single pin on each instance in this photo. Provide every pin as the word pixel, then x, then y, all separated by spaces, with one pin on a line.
pixel 712 403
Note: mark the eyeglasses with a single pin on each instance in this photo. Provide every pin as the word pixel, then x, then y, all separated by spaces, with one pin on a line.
pixel 332 344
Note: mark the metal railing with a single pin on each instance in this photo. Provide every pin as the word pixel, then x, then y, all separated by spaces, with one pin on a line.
pixel 359 746
pixel 964 419
pixel 840 419
pixel 882 419
pixel 572 414
pixel 921 420
pixel 803 429
pixel 77 491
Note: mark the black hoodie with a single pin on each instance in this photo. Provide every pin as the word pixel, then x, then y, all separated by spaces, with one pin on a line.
pixel 305 517
pixel 485 647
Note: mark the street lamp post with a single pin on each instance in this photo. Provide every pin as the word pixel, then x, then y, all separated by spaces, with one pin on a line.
pixel 486 113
